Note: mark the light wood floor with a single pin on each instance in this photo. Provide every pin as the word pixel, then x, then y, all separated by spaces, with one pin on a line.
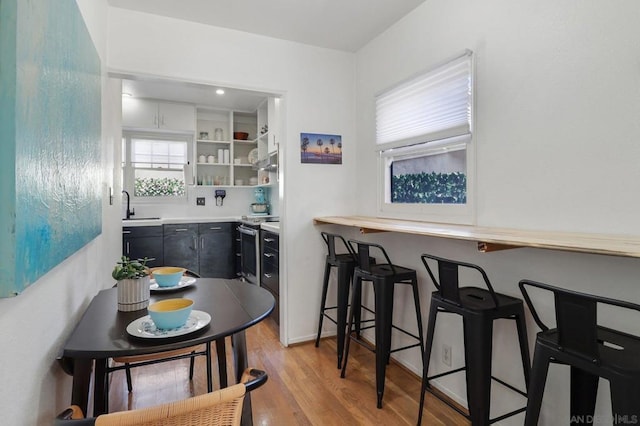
pixel 304 386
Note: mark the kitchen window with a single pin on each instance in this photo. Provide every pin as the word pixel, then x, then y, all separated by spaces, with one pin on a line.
pixel 154 165
pixel 424 139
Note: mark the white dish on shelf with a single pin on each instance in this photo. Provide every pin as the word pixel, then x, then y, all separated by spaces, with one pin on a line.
pixel 184 282
pixel 253 156
pixel 146 329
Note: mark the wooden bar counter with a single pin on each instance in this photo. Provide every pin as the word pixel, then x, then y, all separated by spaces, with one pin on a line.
pixel 491 239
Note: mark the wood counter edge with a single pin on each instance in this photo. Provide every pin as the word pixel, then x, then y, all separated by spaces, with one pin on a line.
pixel 493 239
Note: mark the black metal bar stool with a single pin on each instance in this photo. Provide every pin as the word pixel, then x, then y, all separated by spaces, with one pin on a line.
pixel 478 307
pixel 384 277
pixel 345 262
pixel 592 351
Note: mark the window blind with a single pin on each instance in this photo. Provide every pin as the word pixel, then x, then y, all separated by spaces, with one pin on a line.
pixel 432 106
pixel 158 154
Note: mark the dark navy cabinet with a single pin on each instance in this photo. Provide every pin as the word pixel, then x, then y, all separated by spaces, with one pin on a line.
pixel 139 242
pixel 216 252
pixel 270 275
pixel 181 246
pixel 208 249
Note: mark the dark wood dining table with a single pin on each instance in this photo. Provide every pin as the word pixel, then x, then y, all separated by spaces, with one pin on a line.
pixel 102 334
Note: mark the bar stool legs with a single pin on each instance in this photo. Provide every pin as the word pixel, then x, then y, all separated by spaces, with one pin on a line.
pixel 323 303
pixel 384 317
pixel 345 272
pixel 478 338
pixel 345 264
pixel 584 388
pixel 535 389
pixel 383 326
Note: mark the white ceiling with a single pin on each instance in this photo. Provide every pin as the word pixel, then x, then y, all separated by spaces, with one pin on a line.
pixel 335 24
pixel 199 94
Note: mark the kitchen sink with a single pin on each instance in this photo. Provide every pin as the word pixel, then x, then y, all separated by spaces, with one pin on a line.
pixel 143 218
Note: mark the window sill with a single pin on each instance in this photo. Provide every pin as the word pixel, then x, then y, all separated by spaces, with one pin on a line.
pixel 492 239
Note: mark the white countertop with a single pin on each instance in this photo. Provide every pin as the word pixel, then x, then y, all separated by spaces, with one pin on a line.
pixel 271 226
pixel 170 220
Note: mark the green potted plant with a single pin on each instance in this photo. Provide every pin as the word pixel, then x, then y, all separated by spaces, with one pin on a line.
pixel 132 276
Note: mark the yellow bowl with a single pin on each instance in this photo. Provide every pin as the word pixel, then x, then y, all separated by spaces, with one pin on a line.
pixel 168 276
pixel 170 313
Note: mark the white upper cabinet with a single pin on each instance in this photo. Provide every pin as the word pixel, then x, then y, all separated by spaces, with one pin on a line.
pixel 273 112
pixel 268 127
pixel 149 114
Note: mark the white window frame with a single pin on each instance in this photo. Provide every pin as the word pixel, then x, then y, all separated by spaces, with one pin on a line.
pixel 429 144
pixel 128 171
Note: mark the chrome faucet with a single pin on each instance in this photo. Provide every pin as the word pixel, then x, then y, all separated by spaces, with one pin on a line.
pixel 129 211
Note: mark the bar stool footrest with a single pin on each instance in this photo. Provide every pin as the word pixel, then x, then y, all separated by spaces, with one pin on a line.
pixel 466 414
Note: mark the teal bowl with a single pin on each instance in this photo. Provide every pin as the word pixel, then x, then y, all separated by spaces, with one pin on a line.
pixel 170 313
pixel 168 276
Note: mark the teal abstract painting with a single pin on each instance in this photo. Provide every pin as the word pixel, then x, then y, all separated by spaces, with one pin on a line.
pixel 50 130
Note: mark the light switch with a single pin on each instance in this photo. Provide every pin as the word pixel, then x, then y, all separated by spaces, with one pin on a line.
pixel 200 201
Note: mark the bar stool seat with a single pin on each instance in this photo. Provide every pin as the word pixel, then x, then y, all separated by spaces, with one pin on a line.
pixel 384 277
pixel 591 350
pixel 479 307
pixel 345 264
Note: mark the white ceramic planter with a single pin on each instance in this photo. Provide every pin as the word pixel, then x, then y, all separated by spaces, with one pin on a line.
pixel 133 294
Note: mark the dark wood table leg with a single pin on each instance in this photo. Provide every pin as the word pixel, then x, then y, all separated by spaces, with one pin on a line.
pixel 81 380
pixel 101 388
pixel 239 342
pixel 209 375
pixel 222 362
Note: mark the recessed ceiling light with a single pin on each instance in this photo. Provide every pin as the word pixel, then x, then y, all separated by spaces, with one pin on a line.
pixel 220 92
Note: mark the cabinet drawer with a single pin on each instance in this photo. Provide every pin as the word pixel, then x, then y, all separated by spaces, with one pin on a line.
pixel 142 231
pixel 215 227
pixel 182 228
pixel 270 255
pixel 269 240
pixel 275 314
pixel 271 282
pixel 270 276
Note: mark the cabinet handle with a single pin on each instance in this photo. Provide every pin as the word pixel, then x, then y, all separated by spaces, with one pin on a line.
pixel 181 230
pixel 268 255
pixel 215 228
pixel 128 251
pixel 269 240
pixel 162 120
pixel 155 120
pixel 267 275
pixel 195 242
pixel 238 254
pixel 202 243
pixel 126 232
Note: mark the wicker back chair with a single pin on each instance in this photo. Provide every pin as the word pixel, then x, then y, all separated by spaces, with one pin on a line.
pixel 220 408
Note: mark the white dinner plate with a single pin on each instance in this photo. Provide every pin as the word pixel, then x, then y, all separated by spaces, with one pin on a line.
pixel 184 282
pixel 145 328
pixel 253 156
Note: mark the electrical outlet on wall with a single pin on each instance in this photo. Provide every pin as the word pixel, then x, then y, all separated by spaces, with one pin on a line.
pixel 200 201
pixel 446 355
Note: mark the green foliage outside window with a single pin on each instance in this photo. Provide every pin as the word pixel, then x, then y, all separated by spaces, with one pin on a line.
pixel 159 187
pixel 429 188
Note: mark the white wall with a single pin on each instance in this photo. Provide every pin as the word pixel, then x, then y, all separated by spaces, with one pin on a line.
pixel 35 324
pixel 318 91
pixel 557 126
